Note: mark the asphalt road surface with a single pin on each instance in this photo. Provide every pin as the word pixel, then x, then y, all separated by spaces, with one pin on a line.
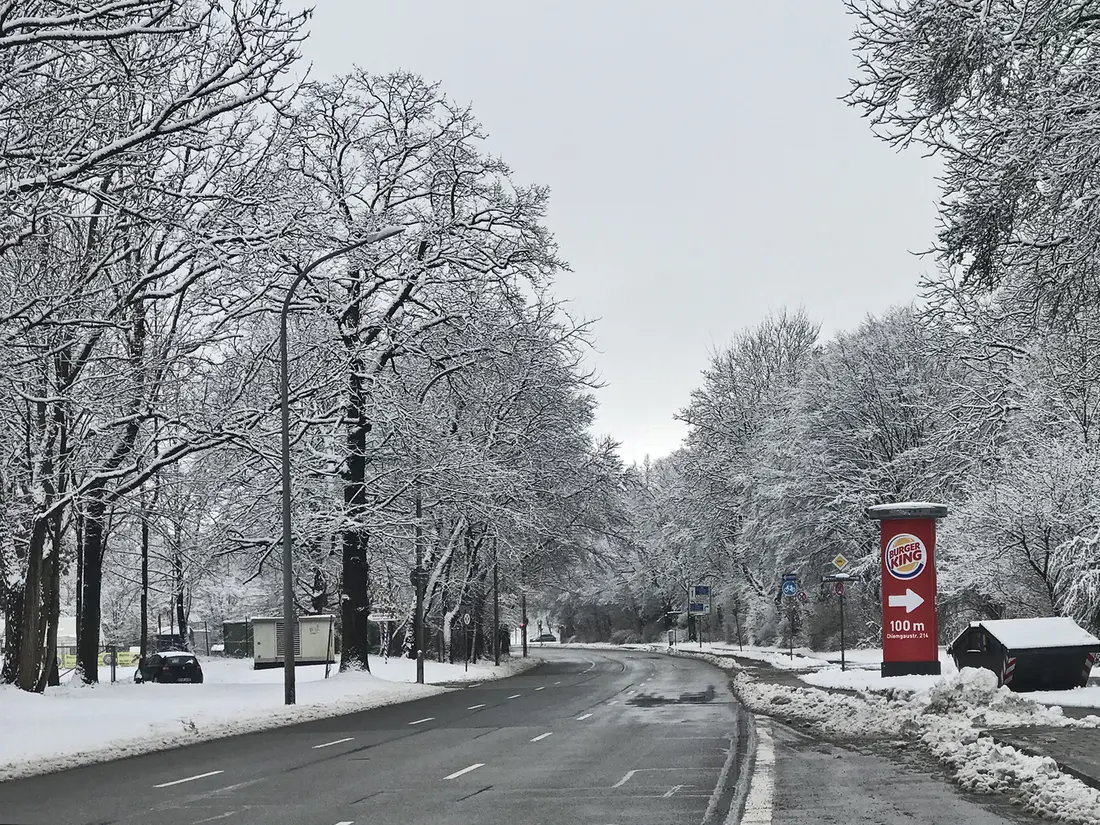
pixel 592 737
pixel 587 737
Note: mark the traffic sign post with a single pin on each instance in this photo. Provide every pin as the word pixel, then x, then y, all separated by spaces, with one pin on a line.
pixel 790 589
pixel 838 580
pixel 698 606
pixel 910 627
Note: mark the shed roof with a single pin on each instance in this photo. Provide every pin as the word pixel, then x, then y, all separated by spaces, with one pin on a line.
pixel 1032 634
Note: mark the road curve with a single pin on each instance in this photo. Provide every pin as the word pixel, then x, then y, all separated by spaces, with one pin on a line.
pixel 588 736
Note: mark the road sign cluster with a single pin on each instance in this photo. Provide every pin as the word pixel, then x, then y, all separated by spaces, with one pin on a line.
pixel 791 589
pixel 699 603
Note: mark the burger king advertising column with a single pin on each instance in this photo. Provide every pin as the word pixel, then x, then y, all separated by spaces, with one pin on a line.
pixel 910 629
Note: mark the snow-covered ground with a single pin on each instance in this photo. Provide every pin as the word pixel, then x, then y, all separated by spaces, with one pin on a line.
pixel 75 725
pixel 822 669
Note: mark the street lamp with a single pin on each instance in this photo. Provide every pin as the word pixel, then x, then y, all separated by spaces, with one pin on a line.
pixel 284 401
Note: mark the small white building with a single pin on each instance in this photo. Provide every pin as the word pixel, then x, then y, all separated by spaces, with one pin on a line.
pixel 314 641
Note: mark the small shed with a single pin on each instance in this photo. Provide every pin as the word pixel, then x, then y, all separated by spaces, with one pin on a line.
pixel 1051 653
pixel 237 638
pixel 313 638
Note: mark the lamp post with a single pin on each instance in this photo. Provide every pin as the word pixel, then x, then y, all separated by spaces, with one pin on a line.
pixel 289 619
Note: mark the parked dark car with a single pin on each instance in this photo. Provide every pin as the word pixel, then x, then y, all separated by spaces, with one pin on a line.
pixel 546 637
pixel 170 666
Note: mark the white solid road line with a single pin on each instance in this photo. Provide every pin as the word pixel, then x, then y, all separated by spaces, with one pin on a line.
pixel 421 721
pixel 226 815
pixel 670 792
pixel 758 805
pixel 475 707
pixel 624 780
pixel 542 736
pixel 582 718
pixel 188 779
pixel 516 696
pixel 472 767
pixel 476 684
pixel 337 742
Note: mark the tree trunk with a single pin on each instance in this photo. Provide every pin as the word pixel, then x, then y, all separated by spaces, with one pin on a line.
pixel 79 526
pixel 91 615
pixel 30 660
pixel 52 603
pixel 13 635
pixel 178 604
pixel 355 608
pixel 143 649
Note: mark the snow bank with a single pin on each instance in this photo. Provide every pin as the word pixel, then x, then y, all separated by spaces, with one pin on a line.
pixel 863 678
pixel 949 718
pixel 77 725
pixel 980 764
pixel 1086 697
pixel 774 656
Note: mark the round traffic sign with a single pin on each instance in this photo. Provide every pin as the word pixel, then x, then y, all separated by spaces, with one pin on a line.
pixel 466 619
pixel 790 587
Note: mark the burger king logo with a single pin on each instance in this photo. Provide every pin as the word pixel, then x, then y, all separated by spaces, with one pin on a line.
pixel 906 556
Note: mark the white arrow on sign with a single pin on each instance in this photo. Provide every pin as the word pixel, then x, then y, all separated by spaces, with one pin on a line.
pixel 910 601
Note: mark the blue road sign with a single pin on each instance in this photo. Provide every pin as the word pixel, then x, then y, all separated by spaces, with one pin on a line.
pixel 790 587
pixel 702 590
pixel 790 576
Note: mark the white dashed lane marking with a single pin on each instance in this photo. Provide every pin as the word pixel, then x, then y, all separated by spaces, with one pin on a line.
pixel 421 721
pixel 337 742
pixel 188 779
pixel 226 815
pixel 542 736
pixel 541 688
pixel 624 780
pixel 515 696
pixel 472 767
pixel 475 707
pixel 582 718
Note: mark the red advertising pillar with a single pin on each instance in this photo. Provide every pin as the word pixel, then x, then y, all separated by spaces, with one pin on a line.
pixel 910 629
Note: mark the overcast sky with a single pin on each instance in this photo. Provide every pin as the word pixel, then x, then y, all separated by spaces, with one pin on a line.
pixel 702 170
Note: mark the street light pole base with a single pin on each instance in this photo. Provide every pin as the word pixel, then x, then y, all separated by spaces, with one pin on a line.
pixel 420 667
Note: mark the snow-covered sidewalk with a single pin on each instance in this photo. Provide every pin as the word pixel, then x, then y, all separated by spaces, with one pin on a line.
pixel 75 725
